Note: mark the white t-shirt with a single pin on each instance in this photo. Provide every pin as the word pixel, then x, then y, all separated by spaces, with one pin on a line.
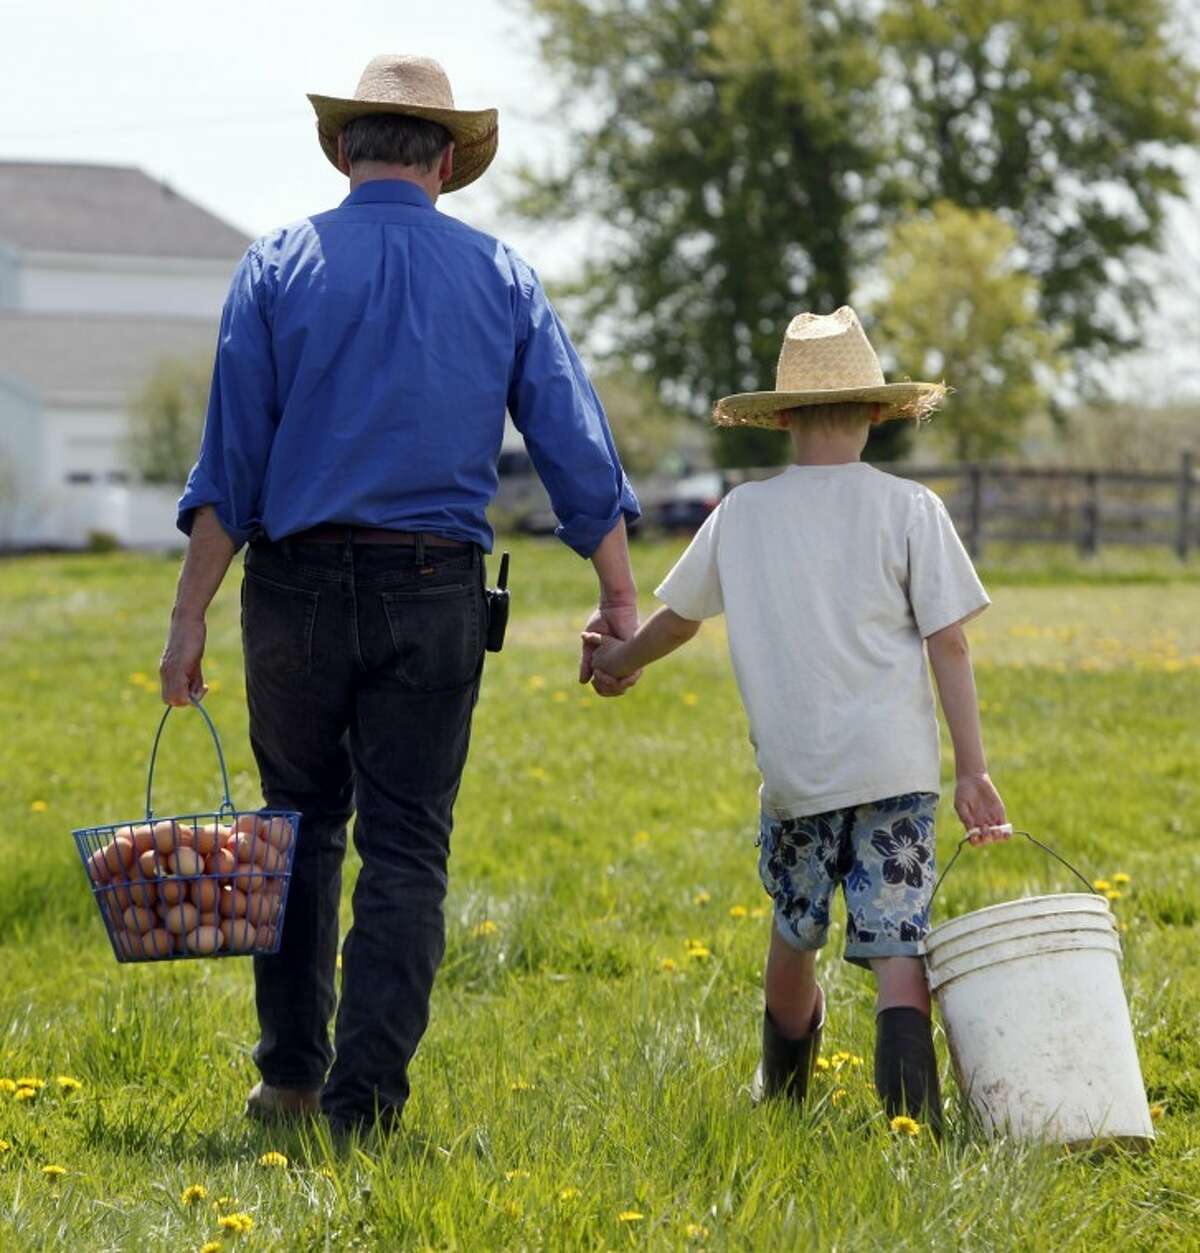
pixel 830 578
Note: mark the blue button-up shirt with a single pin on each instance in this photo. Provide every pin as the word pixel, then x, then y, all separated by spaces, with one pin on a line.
pixel 365 360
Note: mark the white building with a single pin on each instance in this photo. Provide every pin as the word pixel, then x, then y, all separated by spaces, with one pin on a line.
pixel 104 272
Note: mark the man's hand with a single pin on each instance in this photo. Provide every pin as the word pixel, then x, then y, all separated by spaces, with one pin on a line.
pixel 618 621
pixel 980 808
pixel 179 669
pixel 601 649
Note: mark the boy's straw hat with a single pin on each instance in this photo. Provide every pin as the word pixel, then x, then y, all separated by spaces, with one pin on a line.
pixel 825 361
pixel 415 87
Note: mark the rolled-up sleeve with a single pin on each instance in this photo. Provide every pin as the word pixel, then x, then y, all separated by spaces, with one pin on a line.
pixel 239 426
pixel 556 409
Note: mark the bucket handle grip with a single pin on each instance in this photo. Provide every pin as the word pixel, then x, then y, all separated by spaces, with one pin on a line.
pixel 1044 847
pixel 227 805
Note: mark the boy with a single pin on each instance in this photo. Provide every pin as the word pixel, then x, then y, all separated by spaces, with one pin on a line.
pixel 832 577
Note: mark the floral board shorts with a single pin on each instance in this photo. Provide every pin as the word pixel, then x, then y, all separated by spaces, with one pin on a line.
pixel 882 855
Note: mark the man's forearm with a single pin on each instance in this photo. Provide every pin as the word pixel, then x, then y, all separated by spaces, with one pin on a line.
pixel 611 561
pixel 209 552
pixel 950 657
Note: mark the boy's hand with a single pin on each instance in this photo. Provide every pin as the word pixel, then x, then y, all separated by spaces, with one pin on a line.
pixel 597 649
pixel 980 808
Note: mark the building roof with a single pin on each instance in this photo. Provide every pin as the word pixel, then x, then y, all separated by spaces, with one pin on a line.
pixel 110 209
pixel 99 358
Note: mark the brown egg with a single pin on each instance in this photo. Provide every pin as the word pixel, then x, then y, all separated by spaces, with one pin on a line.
pixel 248 848
pixel 140 920
pixel 97 867
pixel 164 836
pixel 223 862
pixel 265 937
pixel 157 943
pixel 142 893
pixel 232 903
pixel 249 880
pixel 278 832
pixel 273 859
pixel 238 935
pixel 118 854
pixel 150 865
pixel 118 892
pixel 274 885
pixel 171 891
pixel 247 823
pixel 123 944
pixel 224 834
pixel 206 838
pixel 143 837
pixel 185 862
pixel 203 940
pixel 261 908
pixel 208 918
pixel 180 919
pixel 203 894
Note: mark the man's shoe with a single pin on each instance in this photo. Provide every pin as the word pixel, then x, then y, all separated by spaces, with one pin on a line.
pixel 787 1065
pixel 269 1104
pixel 906 1073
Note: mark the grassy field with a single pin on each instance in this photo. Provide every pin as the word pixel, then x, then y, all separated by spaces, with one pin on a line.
pixel 583 1083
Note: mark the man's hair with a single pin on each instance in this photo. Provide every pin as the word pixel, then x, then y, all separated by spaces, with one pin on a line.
pixel 846 416
pixel 395 139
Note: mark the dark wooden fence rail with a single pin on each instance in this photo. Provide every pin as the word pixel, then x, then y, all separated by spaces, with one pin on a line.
pixel 1043 504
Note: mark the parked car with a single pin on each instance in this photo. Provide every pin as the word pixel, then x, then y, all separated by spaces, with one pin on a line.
pixel 689 501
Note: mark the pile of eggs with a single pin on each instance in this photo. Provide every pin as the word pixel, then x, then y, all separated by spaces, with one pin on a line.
pixel 190 888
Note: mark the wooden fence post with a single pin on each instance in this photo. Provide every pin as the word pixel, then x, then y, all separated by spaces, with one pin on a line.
pixel 1089 542
pixel 975 511
pixel 1183 538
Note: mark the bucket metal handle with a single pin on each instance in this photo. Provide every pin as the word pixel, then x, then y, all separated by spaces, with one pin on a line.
pixel 227 805
pixel 1044 847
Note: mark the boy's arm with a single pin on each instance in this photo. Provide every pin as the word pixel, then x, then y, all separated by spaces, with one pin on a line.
pixel 976 800
pixel 660 634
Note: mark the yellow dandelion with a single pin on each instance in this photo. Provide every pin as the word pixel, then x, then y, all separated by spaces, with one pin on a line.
pixel 585 702
pixel 839 1095
pixel 192 1194
pixel 537 682
pixel 630 1216
pixel 668 965
pixel 326 1172
pixel 8 1085
pixel 1157 1111
pixel 559 697
pixel 696 1231
pixel 738 911
pixel 239 1223
pixel 520 1085
pixel 511 1176
pixel 25 1094
pixel 690 698
pixel 1113 894
pixel 538 773
pixel 697 951
pixel 701 898
pixel 856 1060
pixel 1121 879
pixel 903 1125
pixel 272 1159
pixel 5 1147
pixel 67 1084
pixel 822 1063
pixel 569 1194
pixel 36 1084
pixel 211 1246
pixel 483 930
pixel 54 1172
pixel 641 837
pixel 1101 885
pixel 223 1203
pixel 137 678
pixel 39 807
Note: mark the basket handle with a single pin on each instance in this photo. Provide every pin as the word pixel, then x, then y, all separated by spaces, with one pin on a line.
pixel 1044 847
pixel 227 803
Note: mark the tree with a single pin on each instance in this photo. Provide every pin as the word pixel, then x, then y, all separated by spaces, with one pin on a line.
pixel 646 431
pixel 167 419
pixel 750 156
pixel 957 307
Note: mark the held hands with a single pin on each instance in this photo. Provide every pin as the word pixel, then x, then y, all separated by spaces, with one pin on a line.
pixel 610 623
pixel 980 809
pixel 602 653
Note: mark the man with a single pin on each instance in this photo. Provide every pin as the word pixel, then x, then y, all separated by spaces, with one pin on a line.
pixel 365 360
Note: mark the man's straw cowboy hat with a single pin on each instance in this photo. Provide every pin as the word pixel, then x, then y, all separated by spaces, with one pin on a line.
pixel 824 361
pixel 415 87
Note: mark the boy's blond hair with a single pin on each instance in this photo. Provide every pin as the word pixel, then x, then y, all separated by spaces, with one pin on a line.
pixel 846 416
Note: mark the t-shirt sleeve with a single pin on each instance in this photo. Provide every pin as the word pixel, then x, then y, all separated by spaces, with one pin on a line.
pixel 943 587
pixel 693 587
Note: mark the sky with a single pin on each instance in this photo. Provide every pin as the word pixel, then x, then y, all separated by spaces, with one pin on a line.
pixel 212 98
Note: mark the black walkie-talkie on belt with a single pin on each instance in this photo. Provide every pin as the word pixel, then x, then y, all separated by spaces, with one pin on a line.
pixel 497 609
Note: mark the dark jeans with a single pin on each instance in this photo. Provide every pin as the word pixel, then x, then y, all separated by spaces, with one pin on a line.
pixel 362 671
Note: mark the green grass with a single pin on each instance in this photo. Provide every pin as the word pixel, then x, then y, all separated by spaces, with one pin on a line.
pixel 596 838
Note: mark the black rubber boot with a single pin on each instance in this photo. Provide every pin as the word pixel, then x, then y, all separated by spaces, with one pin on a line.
pixel 787 1065
pixel 906 1075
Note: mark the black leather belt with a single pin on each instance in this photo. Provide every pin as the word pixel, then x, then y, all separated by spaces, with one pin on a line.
pixel 331 533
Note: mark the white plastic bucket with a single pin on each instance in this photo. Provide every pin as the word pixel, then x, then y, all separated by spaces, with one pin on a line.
pixel 1037 1023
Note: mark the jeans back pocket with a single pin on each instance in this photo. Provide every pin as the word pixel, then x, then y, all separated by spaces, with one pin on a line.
pixel 277 626
pixel 437 635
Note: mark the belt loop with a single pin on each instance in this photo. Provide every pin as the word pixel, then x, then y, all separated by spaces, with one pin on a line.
pixel 420 553
pixel 348 549
pixel 286 545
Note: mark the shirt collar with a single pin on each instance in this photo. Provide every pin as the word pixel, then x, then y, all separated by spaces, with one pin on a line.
pixel 389 191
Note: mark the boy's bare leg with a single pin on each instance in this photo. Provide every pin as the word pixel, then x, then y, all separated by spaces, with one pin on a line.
pixel 901 984
pixel 791 987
